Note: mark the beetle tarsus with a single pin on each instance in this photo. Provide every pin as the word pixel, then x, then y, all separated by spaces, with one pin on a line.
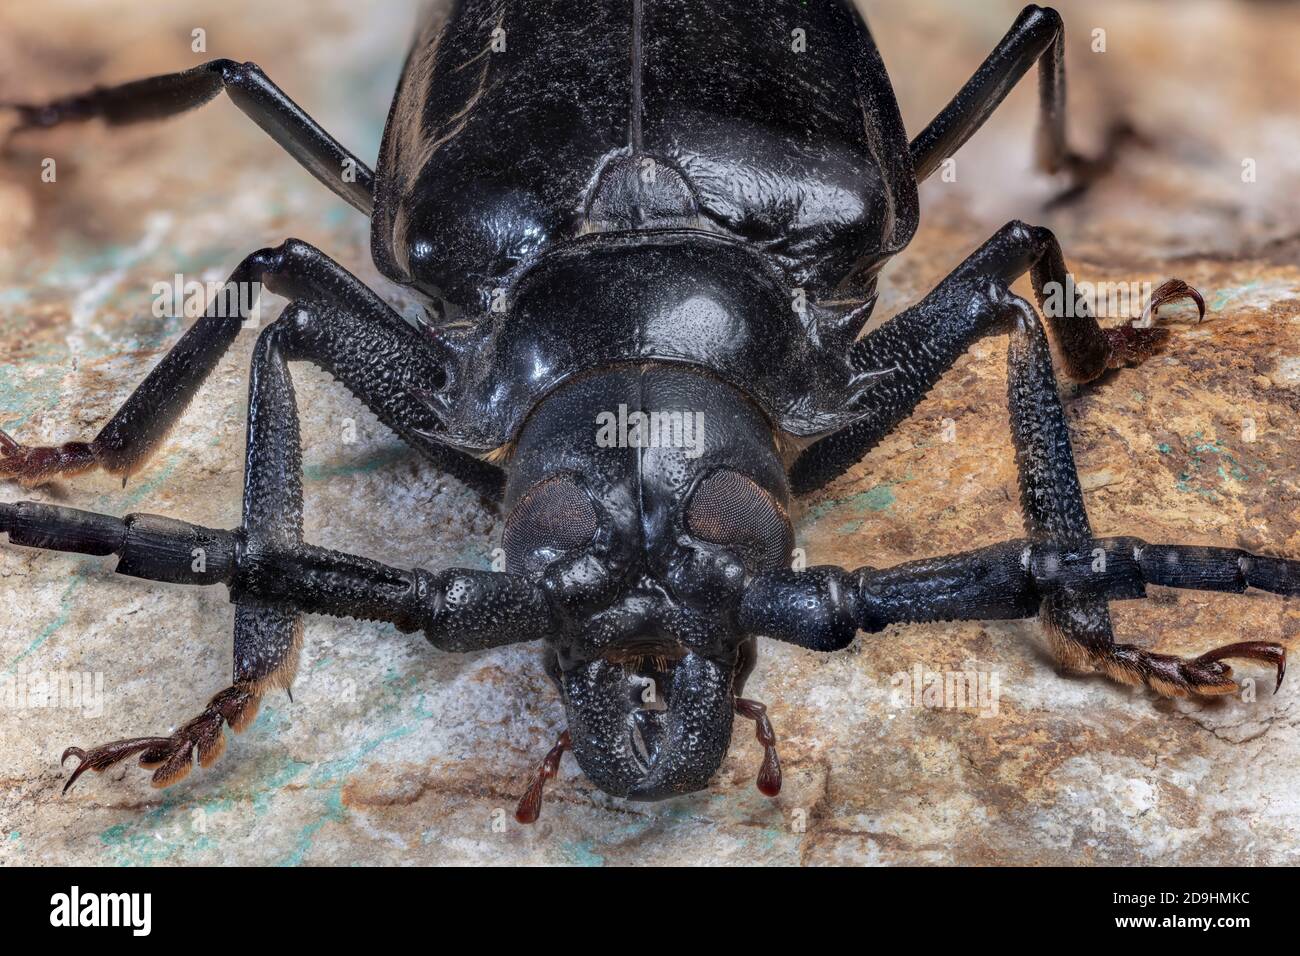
pixel 769 774
pixel 1134 343
pixel 172 758
pixel 1171 290
pixel 530 804
pixel 1172 676
pixel 104 756
pixel 33 465
pixel 1267 652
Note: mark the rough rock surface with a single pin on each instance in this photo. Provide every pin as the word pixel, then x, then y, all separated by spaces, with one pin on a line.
pixel 392 752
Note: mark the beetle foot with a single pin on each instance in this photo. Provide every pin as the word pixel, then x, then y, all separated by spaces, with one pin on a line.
pixel 769 774
pixel 530 804
pixel 1082 171
pixel 1134 343
pixel 172 758
pixel 1204 676
pixel 31 466
pixel 1171 290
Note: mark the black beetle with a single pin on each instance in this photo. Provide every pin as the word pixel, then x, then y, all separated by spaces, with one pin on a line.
pixel 649 232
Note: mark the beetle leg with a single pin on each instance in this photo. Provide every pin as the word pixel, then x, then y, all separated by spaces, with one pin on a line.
pixel 251 90
pixel 272 583
pixel 1087 350
pixel 32 466
pixel 357 337
pixel 1051 497
pixel 1079 625
pixel 272 574
pixel 1037 36
pixel 530 804
pixel 920 344
pixel 267 639
pixel 1061 572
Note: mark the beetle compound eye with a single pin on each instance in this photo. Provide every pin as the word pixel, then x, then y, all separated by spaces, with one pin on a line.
pixel 554 517
pixel 731 510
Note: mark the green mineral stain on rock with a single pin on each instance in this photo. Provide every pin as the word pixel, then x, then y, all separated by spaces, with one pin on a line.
pixel 331 776
pixel 365 464
pixel 1199 450
pixel 1224 296
pixel 53 627
pixel 148 840
pixel 878 498
pixel 582 854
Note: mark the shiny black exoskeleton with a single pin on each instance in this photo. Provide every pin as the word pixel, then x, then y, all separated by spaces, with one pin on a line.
pixel 649 233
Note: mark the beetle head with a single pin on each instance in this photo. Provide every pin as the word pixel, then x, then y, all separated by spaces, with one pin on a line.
pixel 643 498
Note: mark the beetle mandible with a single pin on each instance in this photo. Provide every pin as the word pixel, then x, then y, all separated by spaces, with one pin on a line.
pixel 649 234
